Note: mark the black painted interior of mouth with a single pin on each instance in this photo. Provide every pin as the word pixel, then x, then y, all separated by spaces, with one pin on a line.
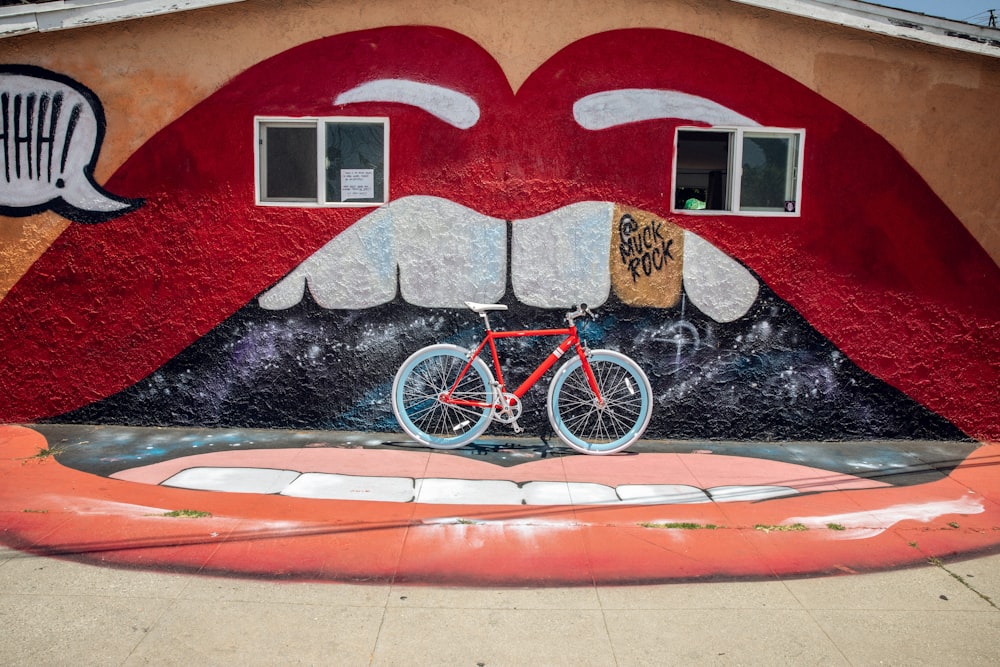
pixel 768 376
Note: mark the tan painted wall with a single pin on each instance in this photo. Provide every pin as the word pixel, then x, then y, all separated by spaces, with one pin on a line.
pixel 937 107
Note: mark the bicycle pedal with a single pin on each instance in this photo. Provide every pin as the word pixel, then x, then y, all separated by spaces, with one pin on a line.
pixel 517 427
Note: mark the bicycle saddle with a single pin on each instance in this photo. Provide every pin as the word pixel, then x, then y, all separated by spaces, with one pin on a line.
pixel 484 307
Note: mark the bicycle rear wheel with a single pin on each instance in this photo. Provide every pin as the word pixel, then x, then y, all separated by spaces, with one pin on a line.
pixel 588 427
pixel 416 397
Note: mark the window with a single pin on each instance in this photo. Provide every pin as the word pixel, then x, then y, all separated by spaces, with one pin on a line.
pixel 322 161
pixel 743 171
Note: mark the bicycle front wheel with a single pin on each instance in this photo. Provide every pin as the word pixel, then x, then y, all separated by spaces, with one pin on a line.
pixel 586 425
pixel 421 382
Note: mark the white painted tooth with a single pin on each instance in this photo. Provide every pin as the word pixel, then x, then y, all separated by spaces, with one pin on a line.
pixel 286 293
pixel 330 486
pixel 731 494
pixel 661 494
pixel 568 493
pixel 468 492
pixel 237 480
pixel 717 284
pixel 448 254
pixel 355 269
pixel 561 258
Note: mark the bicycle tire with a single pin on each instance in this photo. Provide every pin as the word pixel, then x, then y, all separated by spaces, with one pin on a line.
pixel 581 423
pixel 419 382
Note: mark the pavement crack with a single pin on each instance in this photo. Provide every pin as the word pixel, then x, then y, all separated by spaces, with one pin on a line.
pixel 937 562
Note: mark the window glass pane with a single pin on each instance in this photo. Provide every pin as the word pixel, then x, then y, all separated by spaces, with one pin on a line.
pixel 702 174
pixel 289 163
pixel 355 162
pixel 768 181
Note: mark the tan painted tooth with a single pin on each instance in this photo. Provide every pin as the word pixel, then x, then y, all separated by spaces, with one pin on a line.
pixel 715 283
pixel 646 259
pixel 561 258
pixel 448 254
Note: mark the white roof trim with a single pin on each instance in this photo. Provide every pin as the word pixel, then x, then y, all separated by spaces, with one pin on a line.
pixel 892 22
pixel 64 14
pixel 48 16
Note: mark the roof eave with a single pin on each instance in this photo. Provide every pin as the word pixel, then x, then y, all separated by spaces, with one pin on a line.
pixel 65 14
pixel 881 20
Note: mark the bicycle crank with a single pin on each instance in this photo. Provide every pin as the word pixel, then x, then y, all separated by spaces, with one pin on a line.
pixel 507 410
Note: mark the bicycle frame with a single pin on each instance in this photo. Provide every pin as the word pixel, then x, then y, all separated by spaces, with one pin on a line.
pixel 572 341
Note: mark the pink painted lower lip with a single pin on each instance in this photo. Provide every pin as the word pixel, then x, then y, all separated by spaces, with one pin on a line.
pixel 69 513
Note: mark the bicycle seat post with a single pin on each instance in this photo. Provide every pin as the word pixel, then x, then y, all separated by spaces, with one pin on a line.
pixel 486 320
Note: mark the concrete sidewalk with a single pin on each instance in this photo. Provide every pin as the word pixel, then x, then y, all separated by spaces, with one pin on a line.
pixel 57 612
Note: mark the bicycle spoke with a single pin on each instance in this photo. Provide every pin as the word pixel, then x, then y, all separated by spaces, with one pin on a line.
pixel 607 425
pixel 418 392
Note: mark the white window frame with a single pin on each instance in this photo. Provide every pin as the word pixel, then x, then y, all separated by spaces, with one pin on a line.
pixel 319 123
pixel 734 171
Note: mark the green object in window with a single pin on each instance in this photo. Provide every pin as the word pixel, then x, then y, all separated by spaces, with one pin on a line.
pixel 694 204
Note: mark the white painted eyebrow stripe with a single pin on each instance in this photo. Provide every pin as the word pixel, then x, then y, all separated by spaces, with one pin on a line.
pixel 454 108
pixel 611 108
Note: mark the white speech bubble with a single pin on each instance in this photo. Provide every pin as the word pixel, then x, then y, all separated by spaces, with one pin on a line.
pixel 51 130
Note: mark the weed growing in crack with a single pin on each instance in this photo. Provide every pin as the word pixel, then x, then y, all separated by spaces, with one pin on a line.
pixel 188 514
pixel 779 528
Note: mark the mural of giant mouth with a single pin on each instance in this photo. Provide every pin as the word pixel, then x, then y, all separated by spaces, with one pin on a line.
pixel 728 359
pixel 144 299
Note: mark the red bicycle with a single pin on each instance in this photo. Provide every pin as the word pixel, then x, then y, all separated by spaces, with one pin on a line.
pixel 599 402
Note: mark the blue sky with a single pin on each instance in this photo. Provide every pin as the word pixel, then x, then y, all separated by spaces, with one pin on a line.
pixel 959 10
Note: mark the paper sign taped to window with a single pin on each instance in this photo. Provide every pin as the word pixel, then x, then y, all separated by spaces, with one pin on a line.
pixel 357 184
